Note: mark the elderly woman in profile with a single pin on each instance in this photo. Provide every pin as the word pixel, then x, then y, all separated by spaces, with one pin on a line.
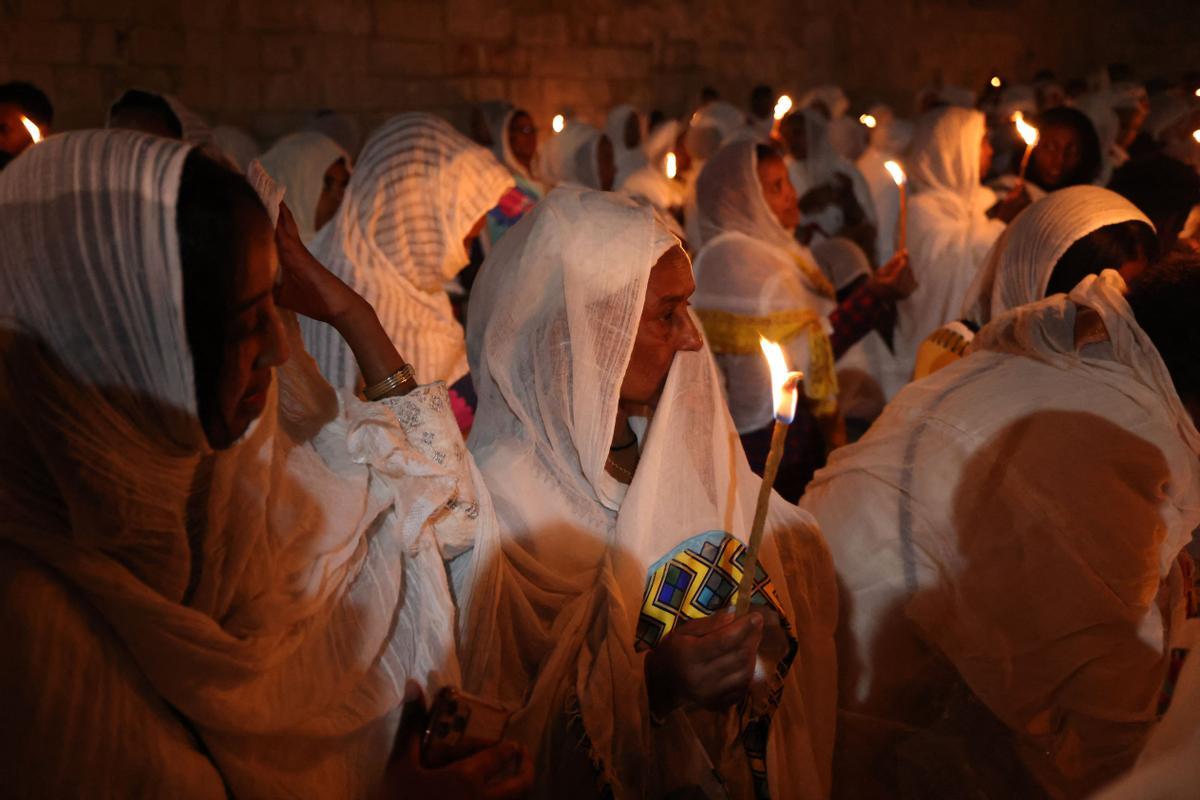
pixel 218 576
pixel 597 607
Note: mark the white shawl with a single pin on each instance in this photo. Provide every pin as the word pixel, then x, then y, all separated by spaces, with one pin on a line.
pixel 553 597
pixel 1018 512
pixel 298 162
pixel 570 157
pixel 1019 266
pixel 628 159
pixel 278 593
pixel 949 233
pixel 417 190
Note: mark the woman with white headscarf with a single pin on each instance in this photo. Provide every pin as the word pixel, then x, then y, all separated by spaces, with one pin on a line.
pixel 579 155
pixel 754 278
pixel 710 127
pixel 889 140
pixel 834 197
pixel 950 228
pixel 218 575
pixel 613 466
pixel 314 170
pixel 625 128
pixel 514 140
pixel 418 195
pixel 1050 247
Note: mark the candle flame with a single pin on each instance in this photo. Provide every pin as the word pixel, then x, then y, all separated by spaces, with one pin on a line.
pixel 896 171
pixel 35 132
pixel 783 381
pixel 1198 93
pixel 672 168
pixel 1027 131
pixel 1196 135
pixel 996 81
pixel 868 120
pixel 782 106
pixel 559 123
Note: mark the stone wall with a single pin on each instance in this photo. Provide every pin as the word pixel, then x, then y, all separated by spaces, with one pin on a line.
pixel 266 64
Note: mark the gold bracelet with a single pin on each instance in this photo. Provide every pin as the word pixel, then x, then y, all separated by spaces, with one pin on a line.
pixel 400 382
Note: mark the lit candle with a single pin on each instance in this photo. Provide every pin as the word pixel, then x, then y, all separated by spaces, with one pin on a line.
pixel 672 168
pixel 1030 135
pixel 1198 93
pixel 897 173
pixel 996 82
pixel 35 132
pixel 785 388
pixel 868 120
pixel 1196 133
pixel 782 106
pixel 558 123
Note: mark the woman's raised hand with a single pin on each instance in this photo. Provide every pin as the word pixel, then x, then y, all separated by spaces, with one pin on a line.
pixel 306 286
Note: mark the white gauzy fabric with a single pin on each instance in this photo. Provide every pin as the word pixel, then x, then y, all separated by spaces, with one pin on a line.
pixel 628 159
pixel 889 140
pixel 949 233
pixel 1018 268
pixel 1022 509
pixel 278 594
pixel 748 266
pixel 822 163
pixel 418 189
pixel 571 157
pixel 238 146
pixel 650 184
pixel 552 601
pixel 710 128
pixel 298 162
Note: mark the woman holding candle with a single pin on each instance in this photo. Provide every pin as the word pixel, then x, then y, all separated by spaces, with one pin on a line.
pixel 604 440
pixel 219 577
pixel 950 229
pixel 754 278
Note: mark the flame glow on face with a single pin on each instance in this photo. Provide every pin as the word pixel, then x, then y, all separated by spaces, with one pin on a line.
pixel 35 132
pixel 782 106
pixel 783 381
pixel 896 171
pixel 672 169
pixel 868 120
pixel 558 123
pixel 1027 131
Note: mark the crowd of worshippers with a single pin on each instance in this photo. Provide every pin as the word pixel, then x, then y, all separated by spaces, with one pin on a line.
pixel 425 466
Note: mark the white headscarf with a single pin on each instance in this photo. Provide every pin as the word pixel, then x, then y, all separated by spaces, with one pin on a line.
pixel 554 598
pixel 751 266
pixel 889 139
pixel 710 128
pixel 570 157
pixel 628 159
pixel 417 190
pixel 498 118
pixel 1019 266
pixel 822 163
pixel 277 594
pixel 299 162
pixel 1038 585
pixel 1100 109
pixel 238 146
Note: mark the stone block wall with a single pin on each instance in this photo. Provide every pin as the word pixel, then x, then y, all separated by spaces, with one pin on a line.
pixel 267 64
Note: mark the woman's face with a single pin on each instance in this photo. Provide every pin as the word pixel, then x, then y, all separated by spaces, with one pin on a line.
pixel 778 190
pixel 985 156
pixel 1057 156
pixel 333 189
pixel 606 164
pixel 254 337
pixel 665 329
pixel 522 138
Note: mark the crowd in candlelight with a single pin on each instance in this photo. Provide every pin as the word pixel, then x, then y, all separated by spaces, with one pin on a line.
pixel 809 449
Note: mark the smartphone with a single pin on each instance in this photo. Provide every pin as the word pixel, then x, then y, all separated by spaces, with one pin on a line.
pixel 459 725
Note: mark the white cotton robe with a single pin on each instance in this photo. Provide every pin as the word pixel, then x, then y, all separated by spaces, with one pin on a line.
pixel 551 599
pixel 277 594
pixel 1015 517
pixel 418 189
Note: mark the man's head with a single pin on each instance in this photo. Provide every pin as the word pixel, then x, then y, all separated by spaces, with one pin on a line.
pixel 762 101
pixel 18 99
pixel 1164 189
pixel 665 329
pixel 1164 302
pixel 145 112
